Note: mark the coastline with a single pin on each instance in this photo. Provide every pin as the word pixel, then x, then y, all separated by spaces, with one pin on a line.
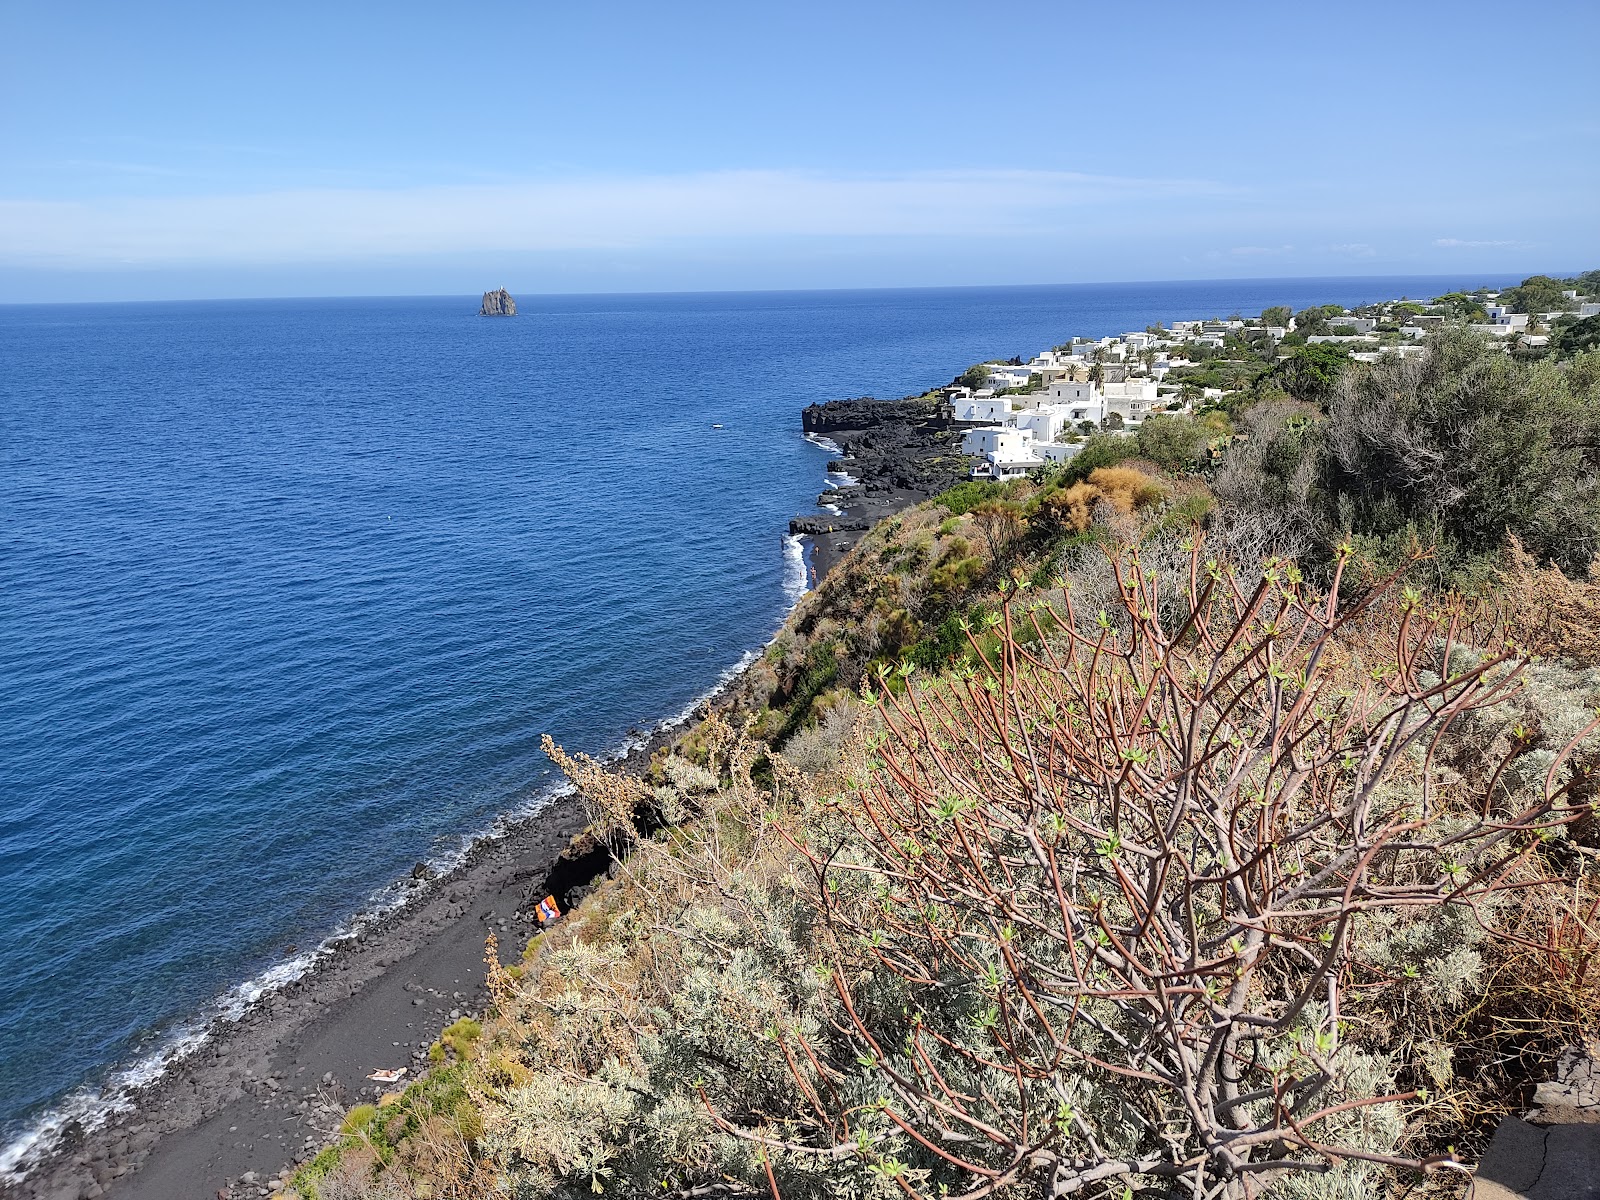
pixel 265 1089
pixel 261 1087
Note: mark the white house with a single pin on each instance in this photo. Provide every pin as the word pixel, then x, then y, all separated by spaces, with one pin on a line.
pixel 988 408
pixel 1058 451
pixel 1359 324
pixel 1131 399
pixel 1046 422
pixel 1005 453
pixel 1001 378
pixel 1078 401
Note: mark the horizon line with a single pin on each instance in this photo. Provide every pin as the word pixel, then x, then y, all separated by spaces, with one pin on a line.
pixel 516 293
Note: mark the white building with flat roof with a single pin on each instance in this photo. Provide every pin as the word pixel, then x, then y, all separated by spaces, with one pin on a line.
pixel 1132 399
pixel 1003 453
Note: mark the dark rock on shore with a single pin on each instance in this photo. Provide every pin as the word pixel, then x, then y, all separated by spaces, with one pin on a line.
pixel 908 445
pixel 815 525
pixel 498 304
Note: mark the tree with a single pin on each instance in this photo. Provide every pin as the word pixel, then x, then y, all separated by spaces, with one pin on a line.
pixel 1575 337
pixel 1465 446
pixel 1309 321
pixel 1462 306
pixel 1174 443
pixel 1537 294
pixel 974 377
pixel 1278 314
pixel 1311 371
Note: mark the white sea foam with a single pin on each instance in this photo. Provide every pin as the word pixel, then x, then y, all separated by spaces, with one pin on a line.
pixel 794 567
pixel 827 443
pixel 835 479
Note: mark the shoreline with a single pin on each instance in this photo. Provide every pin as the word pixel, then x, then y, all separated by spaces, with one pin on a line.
pixel 264 1089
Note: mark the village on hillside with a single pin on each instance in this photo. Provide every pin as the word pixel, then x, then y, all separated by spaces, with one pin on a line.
pixel 1023 416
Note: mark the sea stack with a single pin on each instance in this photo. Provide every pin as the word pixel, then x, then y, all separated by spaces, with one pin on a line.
pixel 498 304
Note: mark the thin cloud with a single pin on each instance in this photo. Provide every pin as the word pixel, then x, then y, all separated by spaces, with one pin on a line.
pixel 1459 242
pixel 332 224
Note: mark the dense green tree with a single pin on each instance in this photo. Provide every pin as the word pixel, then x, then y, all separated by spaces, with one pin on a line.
pixel 1311 372
pixel 974 377
pixel 1462 306
pixel 1463 447
pixel 1574 337
pixel 1278 314
pixel 1311 321
pixel 1537 294
pixel 1175 443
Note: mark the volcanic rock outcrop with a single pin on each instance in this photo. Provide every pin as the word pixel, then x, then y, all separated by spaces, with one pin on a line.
pixel 498 304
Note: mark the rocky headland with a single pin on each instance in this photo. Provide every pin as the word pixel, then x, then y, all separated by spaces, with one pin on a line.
pixel 498 304
pixel 899 452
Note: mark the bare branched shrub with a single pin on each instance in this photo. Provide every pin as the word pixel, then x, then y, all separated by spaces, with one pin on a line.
pixel 1267 487
pixel 360 1176
pixel 1001 527
pixel 1095 917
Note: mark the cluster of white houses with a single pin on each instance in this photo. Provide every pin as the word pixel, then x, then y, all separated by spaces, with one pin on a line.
pixel 1016 433
pixel 1039 412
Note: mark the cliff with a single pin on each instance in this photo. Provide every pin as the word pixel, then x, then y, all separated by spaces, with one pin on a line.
pixel 498 304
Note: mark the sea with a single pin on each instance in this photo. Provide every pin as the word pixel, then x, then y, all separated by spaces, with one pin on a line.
pixel 290 589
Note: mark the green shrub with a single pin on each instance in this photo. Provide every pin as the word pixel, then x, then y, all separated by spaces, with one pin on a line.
pixel 358 1118
pixel 965 497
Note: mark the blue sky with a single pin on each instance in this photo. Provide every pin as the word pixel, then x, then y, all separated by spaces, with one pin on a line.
pixel 161 150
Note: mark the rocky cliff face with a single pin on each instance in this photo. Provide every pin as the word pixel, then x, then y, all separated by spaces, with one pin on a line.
pixel 498 304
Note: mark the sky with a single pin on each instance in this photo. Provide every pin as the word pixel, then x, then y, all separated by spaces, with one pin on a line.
pixel 163 150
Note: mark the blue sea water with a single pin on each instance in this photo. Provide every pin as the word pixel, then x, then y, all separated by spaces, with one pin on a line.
pixel 290 589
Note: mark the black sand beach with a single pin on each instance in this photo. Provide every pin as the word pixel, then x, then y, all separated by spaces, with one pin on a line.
pixel 266 1092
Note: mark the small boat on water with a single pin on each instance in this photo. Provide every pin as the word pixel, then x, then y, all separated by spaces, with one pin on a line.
pixel 716 427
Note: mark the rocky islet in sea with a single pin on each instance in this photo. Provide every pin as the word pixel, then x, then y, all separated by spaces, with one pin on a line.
pixel 498 303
